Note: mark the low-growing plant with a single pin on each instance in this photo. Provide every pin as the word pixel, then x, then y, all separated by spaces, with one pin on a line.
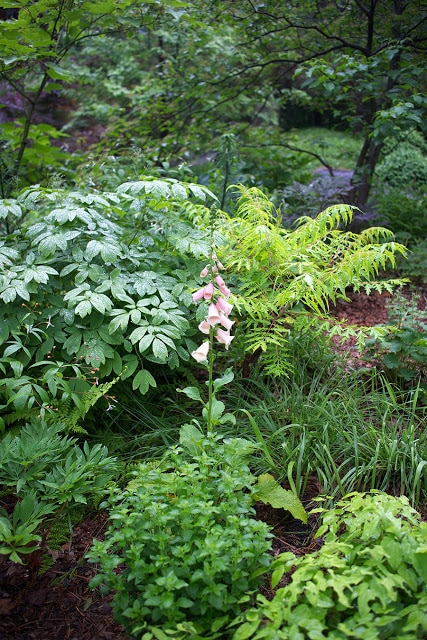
pixel 368 580
pixel 402 350
pixel 346 431
pixel 183 552
pixel 48 478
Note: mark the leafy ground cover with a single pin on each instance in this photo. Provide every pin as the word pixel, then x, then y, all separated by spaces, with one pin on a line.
pixel 58 603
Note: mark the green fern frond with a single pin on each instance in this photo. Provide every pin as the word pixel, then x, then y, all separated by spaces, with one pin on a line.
pixel 60 532
pixel 288 274
pixel 70 414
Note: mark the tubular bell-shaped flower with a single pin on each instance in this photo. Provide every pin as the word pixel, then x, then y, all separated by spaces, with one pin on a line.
pixel 201 353
pixel 225 321
pixel 224 306
pixel 213 314
pixel 216 293
pixel 224 337
pixel 205 327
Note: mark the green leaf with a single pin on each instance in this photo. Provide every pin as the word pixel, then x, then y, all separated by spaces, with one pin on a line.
pixel 55 72
pixel 226 378
pixel 269 491
pixel 217 409
pixel 159 349
pixel 130 364
pixel 420 563
pixel 246 630
pixel 83 309
pixel 192 392
pixel 143 381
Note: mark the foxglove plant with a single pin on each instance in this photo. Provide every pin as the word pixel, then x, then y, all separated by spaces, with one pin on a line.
pixel 217 325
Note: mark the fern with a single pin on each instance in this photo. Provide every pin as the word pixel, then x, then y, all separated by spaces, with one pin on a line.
pixel 70 414
pixel 290 278
pixel 60 532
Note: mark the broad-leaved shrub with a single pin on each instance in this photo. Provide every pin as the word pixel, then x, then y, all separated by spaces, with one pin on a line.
pixel 183 552
pixel 94 285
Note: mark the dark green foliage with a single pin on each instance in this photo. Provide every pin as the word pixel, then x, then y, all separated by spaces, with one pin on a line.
pixel 404 163
pixel 50 476
pixel 95 286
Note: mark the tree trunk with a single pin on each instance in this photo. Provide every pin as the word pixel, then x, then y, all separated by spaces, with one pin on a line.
pixel 364 171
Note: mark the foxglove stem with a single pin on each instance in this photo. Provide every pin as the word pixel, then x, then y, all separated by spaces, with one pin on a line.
pixel 210 385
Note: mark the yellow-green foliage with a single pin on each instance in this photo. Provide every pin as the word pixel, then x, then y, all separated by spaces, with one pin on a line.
pixel 289 278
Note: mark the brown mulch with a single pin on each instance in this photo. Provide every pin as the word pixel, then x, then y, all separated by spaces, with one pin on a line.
pixel 58 605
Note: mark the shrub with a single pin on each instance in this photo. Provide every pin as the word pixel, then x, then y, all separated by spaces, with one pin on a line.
pixel 94 285
pixel 182 551
pixel 287 279
pixel 367 581
pixel 404 162
pixel 402 210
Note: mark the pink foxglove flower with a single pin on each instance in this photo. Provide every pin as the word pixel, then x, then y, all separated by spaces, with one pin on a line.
pixel 224 337
pixel 208 291
pixel 201 353
pixel 220 282
pixel 205 327
pixel 198 295
pixel 204 272
pixel 225 290
pixel 224 306
pixel 225 321
pixel 213 314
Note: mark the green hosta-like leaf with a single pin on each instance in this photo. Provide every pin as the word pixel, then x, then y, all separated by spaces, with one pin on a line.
pixel 269 491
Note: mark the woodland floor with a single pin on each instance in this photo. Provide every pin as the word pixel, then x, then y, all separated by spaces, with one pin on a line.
pixel 58 605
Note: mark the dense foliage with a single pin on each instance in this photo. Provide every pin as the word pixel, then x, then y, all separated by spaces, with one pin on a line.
pixel 94 284
pixel 155 186
pixel 369 578
pixel 183 536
